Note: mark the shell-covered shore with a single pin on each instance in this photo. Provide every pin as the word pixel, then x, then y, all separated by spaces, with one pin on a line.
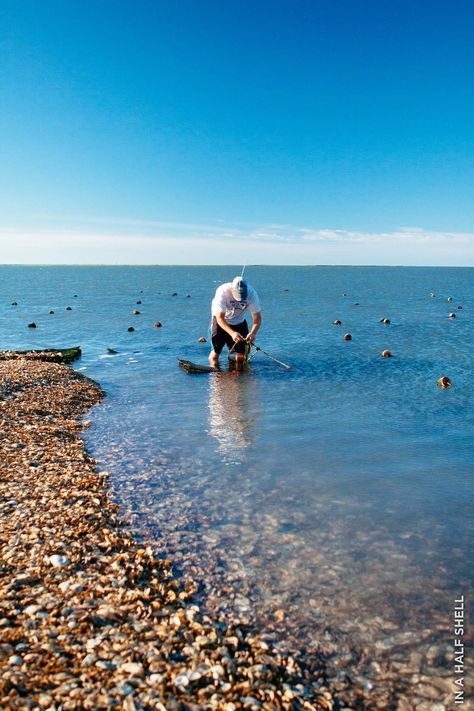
pixel 90 618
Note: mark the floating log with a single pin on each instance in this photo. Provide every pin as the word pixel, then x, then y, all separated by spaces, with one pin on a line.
pixel 190 367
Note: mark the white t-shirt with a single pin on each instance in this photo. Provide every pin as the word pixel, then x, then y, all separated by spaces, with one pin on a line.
pixel 234 311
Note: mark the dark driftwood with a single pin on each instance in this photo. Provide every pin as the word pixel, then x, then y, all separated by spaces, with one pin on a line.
pixel 54 355
pixel 190 367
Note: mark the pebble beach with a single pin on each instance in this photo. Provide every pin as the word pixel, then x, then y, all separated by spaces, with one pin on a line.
pixel 91 618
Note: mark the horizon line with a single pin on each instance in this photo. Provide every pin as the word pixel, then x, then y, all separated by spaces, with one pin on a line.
pixel 172 264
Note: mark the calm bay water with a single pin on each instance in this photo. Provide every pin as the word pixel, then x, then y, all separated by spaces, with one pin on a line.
pixel 331 501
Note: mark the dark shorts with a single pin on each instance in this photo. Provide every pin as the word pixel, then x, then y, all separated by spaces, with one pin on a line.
pixel 222 338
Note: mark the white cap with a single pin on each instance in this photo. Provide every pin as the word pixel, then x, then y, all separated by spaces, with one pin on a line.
pixel 239 289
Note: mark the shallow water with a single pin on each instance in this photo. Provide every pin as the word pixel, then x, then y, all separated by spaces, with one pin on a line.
pixel 331 501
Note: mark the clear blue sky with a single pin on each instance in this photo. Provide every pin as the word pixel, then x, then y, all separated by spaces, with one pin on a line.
pixel 319 131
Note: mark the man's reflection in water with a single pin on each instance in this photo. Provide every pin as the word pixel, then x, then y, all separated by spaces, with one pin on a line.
pixel 233 399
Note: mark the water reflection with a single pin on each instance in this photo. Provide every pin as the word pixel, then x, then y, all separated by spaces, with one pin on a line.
pixel 233 413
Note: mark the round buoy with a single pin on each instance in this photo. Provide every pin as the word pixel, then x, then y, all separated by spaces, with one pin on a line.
pixel 136 312
pixel 452 315
pixel 450 298
pixel 433 296
pixel 202 340
pixel 130 329
pixel 459 308
pixel 357 304
pixel 386 321
pixel 51 312
pixel 32 325
pixel 347 337
pixel 188 296
pixel 444 382
pixel 68 308
pixel 337 322
pixel 14 303
pixel 386 354
pixel 344 293
pixel 157 324
pixel 175 293
pixel 285 289
pixel 138 302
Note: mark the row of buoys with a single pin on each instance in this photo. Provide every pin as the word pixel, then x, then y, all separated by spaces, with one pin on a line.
pixel 433 296
pixel 157 324
pixel 443 382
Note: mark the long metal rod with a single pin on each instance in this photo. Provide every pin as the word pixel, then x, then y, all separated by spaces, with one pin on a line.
pixel 280 362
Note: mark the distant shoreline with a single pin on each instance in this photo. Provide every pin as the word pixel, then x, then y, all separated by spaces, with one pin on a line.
pixel 249 266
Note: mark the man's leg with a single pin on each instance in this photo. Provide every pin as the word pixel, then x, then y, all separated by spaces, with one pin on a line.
pixel 214 359
pixel 218 341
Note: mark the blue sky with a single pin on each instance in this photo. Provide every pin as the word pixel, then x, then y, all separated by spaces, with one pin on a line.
pixel 322 131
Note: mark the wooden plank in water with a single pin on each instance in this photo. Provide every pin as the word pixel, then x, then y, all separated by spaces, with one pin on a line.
pixel 190 367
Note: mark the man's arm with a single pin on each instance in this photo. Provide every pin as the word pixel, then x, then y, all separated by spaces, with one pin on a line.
pixel 223 324
pixel 257 322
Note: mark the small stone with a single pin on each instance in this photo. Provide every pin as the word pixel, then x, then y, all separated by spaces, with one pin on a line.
pixel 89 659
pixel 59 561
pixel 15 660
pixel 125 689
pixel 181 680
pixel 45 700
pixel 155 678
pixel 217 670
pixel 103 664
pixel 251 701
pixel 132 668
